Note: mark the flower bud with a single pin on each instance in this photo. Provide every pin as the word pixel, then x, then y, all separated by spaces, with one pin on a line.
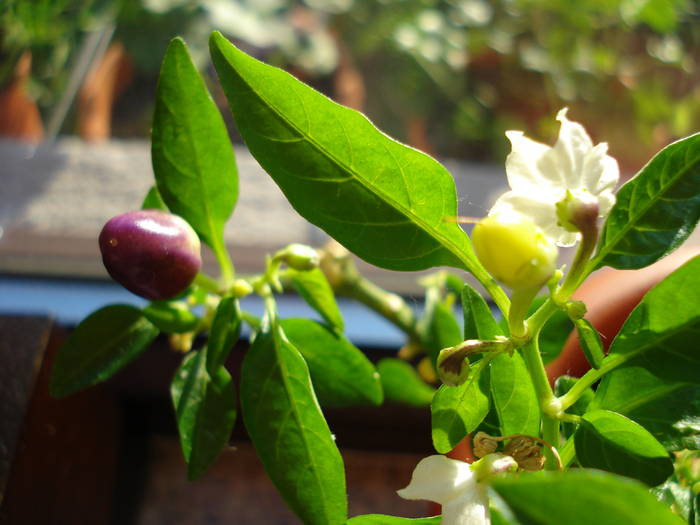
pixel 151 253
pixel 514 250
pixel 453 362
pixel 299 257
pixel 492 465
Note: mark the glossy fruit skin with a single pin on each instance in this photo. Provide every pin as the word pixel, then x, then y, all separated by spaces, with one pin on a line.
pixel 151 253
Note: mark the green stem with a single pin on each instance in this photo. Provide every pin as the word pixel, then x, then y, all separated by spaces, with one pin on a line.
pixel 389 305
pixel 204 281
pixel 545 396
pixel 492 287
pixel 588 379
pixel 228 272
pixel 520 304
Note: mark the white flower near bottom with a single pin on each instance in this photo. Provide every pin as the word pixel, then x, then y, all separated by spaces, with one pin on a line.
pixel 540 176
pixel 452 484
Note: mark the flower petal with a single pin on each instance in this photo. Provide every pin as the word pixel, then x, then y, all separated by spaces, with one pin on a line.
pixel 470 508
pixel 523 163
pixel 541 211
pixel 439 479
pixel 571 149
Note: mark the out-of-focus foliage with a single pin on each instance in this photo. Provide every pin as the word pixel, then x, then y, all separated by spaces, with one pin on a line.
pixel 448 76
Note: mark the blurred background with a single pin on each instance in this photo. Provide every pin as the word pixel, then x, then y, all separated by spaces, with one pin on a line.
pixel 446 76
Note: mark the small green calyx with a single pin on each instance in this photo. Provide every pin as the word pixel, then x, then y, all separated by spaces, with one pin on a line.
pixel 493 465
pixel 578 211
pixel 514 251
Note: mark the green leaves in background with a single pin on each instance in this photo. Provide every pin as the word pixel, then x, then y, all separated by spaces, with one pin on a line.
pixel 192 155
pixel 654 375
pixel 205 407
pixel 479 322
pixel 384 201
pixel 313 286
pixel 288 430
pixel 402 384
pixel 381 519
pixel 171 316
pixel 225 331
pixel 581 497
pixel 101 345
pixel 609 441
pixel 341 374
pixel 655 211
pixel 440 328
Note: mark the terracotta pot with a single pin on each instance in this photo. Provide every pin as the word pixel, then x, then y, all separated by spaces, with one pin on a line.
pixel 610 295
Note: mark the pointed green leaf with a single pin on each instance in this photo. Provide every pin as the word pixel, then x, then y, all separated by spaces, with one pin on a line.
pixel 205 407
pixel 609 441
pixel 655 211
pixel 289 432
pixel 313 286
pixel 581 497
pixel 101 345
pixel 193 160
pixel 225 331
pixel 172 317
pixel 479 322
pixel 441 329
pixel 341 374
pixel 592 346
pixel 382 519
pixel 513 395
pixel 402 384
pixel 554 334
pixel 458 410
pixel 384 201
pixel 153 201
pixel 654 371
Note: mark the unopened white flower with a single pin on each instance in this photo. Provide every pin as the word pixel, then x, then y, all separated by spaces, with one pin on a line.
pixel 540 176
pixel 459 487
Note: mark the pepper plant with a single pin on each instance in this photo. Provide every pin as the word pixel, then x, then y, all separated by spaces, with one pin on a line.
pixel 596 449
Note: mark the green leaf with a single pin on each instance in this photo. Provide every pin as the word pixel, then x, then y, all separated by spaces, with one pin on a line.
pixel 341 374
pixel 313 286
pixel 153 201
pixel 193 159
pixel 479 322
pixel 590 341
pixel 205 407
pixel 653 370
pixel 288 430
pixel 513 395
pixel 609 441
pixel 101 345
pixel 402 384
pixel 383 200
pixel 172 317
pixel 581 497
pixel 225 331
pixel 458 410
pixel 655 211
pixel 382 519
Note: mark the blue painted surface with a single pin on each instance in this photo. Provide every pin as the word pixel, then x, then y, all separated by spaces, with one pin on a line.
pixel 69 301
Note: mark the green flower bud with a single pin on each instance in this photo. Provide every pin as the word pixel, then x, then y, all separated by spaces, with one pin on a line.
pixel 300 257
pixel 514 251
pixel 578 211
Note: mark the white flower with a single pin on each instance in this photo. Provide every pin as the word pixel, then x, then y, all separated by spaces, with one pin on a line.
pixel 453 485
pixel 539 177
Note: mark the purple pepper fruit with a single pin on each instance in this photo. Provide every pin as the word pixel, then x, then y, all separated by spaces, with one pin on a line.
pixel 151 253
